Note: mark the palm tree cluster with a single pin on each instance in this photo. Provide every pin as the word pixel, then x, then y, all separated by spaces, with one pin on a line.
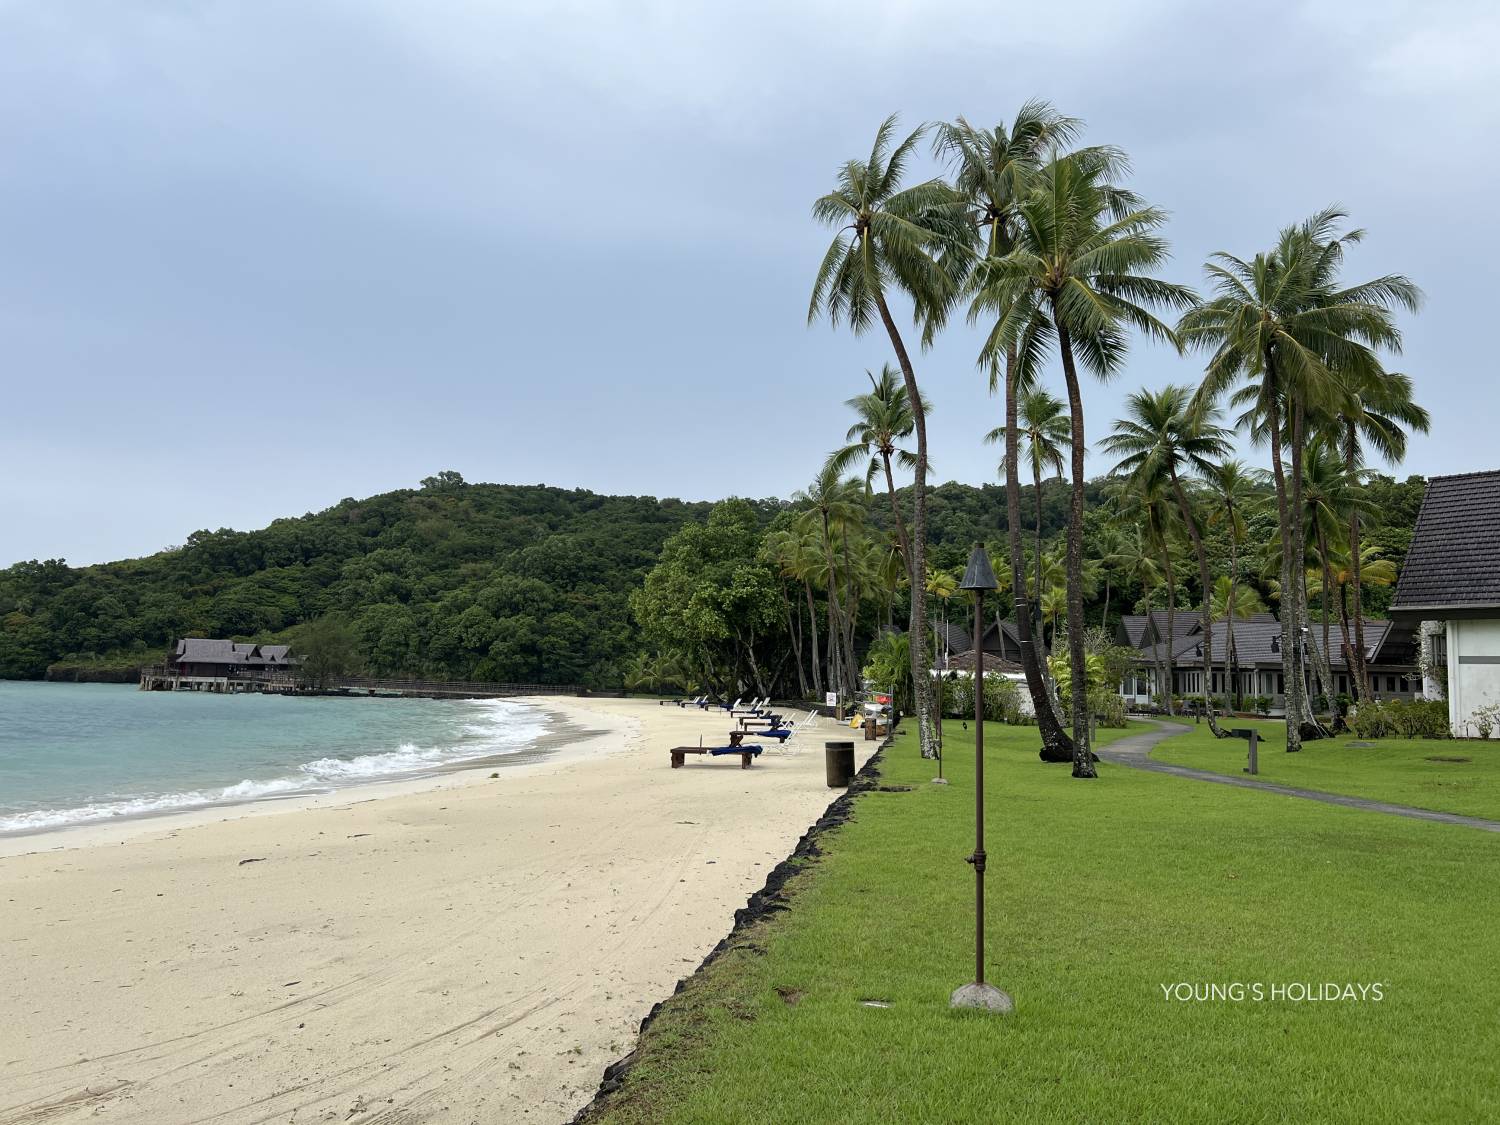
pixel 1038 241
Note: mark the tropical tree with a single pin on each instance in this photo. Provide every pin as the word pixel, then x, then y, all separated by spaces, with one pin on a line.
pixel 893 241
pixel 1376 571
pixel 1377 410
pixel 1078 276
pixel 884 418
pixel 1234 492
pixel 834 505
pixel 1045 436
pixel 1278 327
pixel 1159 438
pixel 994 169
pixel 1233 602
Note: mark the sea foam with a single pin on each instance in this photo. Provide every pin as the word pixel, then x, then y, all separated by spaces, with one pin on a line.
pixel 503 727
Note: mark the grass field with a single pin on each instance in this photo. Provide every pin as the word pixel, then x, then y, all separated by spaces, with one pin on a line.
pixel 1101 893
pixel 1419 772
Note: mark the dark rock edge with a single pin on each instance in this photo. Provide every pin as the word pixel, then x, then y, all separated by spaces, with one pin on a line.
pixel 770 899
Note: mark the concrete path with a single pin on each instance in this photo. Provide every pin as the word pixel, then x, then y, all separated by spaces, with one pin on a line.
pixel 1135 750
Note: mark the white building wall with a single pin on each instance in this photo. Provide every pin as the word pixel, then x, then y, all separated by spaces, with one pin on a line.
pixel 1473 671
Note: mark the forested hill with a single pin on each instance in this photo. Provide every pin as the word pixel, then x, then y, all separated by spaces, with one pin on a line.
pixel 481 581
pixel 495 582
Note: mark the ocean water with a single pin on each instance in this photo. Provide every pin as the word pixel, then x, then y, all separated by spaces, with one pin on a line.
pixel 75 754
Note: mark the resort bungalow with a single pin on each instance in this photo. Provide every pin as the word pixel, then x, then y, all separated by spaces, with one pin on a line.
pixel 1256 668
pixel 1450 593
pixel 201 664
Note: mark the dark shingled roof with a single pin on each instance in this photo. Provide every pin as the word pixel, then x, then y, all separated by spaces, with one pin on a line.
pixel 1257 644
pixel 1135 626
pixel 964 662
pixel 1454 561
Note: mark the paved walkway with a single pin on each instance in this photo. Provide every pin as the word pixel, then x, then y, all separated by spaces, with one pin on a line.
pixel 1135 750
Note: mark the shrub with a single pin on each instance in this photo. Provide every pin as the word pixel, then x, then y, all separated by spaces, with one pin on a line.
pixel 1484 719
pixel 1400 718
pixel 1002 700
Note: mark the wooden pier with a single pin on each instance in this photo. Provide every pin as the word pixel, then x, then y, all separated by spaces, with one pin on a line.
pixel 160 677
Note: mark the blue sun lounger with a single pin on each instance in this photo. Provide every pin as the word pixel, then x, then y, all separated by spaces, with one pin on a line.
pixel 746 751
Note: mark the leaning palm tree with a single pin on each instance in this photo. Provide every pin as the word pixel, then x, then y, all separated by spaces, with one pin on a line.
pixel 1278 327
pixel 993 170
pixel 1078 276
pixel 884 418
pixel 894 241
pixel 1376 412
pixel 1045 435
pixel 1158 439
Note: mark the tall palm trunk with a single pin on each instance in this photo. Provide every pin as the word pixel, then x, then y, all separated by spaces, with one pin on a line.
pixel 890 491
pixel 1083 759
pixel 1360 669
pixel 1036 487
pixel 917 557
pixel 1206 616
pixel 1169 662
pixel 817 660
pixel 794 632
pixel 1290 672
pixel 1311 729
pixel 1231 671
pixel 1056 745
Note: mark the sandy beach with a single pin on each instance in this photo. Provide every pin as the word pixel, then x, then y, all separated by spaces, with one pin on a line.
pixel 462 949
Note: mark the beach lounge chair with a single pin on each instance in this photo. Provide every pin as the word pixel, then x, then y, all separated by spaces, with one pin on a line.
pixel 767 720
pixel 695 702
pixel 756 707
pixel 746 751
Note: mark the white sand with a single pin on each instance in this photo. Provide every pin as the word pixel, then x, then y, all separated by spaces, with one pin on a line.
pixel 466 950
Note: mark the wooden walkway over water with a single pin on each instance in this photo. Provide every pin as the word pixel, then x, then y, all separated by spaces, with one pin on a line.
pixel 162 678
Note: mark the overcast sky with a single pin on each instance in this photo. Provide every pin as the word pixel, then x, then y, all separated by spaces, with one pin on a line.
pixel 258 256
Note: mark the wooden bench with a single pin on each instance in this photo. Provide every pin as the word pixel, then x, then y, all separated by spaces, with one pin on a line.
pixel 736 746
pixel 679 753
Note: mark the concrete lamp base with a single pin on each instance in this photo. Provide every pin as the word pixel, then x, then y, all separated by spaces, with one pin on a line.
pixel 985 997
pixel 940 781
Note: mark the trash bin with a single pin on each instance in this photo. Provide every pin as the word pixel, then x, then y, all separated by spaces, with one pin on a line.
pixel 838 757
pixel 870 732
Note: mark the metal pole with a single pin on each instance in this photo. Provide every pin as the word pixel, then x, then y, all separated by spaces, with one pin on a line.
pixel 978 857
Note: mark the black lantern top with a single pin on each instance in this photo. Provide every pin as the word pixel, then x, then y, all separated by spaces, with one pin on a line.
pixel 979 575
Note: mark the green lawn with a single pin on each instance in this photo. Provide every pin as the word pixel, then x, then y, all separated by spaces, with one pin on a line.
pixel 1100 893
pixel 1402 771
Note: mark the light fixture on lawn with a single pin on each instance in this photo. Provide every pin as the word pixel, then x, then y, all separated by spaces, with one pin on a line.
pixel 979 577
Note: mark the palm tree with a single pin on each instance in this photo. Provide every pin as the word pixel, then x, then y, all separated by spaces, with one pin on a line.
pixel 1377 410
pixel 1376 571
pixel 913 241
pixel 1159 436
pixel 993 170
pixel 1234 491
pixel 1078 276
pixel 884 419
pixel 832 505
pixel 779 550
pixel 1232 602
pixel 1045 435
pixel 1279 326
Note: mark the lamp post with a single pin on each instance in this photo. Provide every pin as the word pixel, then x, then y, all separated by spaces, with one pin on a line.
pixel 979 577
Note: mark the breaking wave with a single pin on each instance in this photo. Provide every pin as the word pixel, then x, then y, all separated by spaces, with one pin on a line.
pixel 504 727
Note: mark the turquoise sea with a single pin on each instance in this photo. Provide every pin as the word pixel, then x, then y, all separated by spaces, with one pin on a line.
pixel 75 754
